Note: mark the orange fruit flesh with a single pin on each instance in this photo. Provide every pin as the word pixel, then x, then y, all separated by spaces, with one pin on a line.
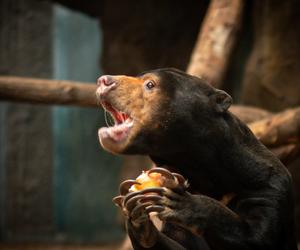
pixel 147 181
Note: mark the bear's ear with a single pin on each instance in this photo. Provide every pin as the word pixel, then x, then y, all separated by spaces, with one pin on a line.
pixel 221 100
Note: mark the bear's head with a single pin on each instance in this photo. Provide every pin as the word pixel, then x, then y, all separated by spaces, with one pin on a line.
pixel 157 110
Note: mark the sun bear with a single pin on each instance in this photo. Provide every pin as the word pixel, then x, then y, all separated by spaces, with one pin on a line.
pixel 239 194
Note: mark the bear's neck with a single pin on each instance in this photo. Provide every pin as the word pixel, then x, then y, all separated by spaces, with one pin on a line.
pixel 230 160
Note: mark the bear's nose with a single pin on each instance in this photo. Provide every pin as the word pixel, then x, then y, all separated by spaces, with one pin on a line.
pixel 105 80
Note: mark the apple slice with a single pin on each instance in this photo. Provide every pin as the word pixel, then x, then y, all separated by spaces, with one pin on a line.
pixel 147 180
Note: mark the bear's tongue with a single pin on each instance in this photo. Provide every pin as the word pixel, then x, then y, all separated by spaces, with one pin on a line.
pixel 122 126
pixel 119 117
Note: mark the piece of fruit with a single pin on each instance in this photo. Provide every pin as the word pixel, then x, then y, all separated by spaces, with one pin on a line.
pixel 147 180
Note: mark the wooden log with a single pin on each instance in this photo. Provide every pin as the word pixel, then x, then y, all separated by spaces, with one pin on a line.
pixel 44 91
pixel 282 128
pixel 287 153
pixel 249 114
pixel 216 40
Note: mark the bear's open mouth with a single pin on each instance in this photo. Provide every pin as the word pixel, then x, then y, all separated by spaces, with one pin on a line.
pixel 122 124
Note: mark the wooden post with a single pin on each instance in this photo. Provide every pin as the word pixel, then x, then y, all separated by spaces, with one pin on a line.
pixel 216 40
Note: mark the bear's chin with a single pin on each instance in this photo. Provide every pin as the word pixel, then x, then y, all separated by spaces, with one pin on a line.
pixel 128 146
pixel 111 141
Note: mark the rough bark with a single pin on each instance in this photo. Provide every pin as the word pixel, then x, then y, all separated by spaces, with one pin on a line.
pixel 279 129
pixel 216 40
pixel 44 91
pixel 249 114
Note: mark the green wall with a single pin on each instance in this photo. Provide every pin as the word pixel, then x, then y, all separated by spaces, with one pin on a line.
pixel 85 177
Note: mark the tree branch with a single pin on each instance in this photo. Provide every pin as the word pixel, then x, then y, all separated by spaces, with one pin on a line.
pixel 249 114
pixel 43 91
pixel 281 128
pixel 216 40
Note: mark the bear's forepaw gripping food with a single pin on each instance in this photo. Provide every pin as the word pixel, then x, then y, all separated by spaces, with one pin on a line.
pixel 154 180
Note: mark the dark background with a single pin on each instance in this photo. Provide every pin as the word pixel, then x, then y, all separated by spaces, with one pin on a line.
pixel 56 183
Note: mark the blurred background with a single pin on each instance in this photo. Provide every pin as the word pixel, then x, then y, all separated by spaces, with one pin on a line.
pixel 56 182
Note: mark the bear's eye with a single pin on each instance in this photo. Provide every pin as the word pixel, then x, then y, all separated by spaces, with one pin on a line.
pixel 150 85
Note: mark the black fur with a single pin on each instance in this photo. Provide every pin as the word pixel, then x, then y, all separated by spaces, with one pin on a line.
pixel 218 154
